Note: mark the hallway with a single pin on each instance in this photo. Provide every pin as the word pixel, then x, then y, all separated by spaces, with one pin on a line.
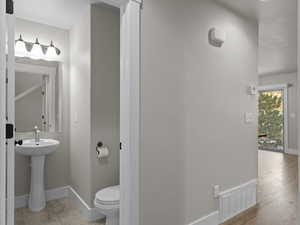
pixel 277 192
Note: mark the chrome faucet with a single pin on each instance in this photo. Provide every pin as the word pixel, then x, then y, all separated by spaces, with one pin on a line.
pixel 36 133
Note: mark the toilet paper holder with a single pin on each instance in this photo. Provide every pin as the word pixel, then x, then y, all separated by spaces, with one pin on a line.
pixel 100 144
pixel 102 150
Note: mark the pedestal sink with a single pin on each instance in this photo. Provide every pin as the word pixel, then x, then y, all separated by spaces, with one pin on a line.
pixel 37 151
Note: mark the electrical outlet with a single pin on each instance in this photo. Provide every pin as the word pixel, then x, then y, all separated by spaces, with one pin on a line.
pixel 216 191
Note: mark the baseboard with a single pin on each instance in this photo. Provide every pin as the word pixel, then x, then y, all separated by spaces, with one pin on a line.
pixel 51 194
pixel 211 219
pixel 292 151
pixel 236 200
pixel 90 214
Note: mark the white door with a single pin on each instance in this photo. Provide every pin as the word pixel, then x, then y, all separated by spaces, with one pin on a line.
pixel 7 140
pixel 10 116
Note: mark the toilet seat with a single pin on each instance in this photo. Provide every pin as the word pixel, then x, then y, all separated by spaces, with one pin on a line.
pixel 107 202
pixel 108 196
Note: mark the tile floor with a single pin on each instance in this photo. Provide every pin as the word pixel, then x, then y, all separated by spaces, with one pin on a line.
pixel 57 212
pixel 277 192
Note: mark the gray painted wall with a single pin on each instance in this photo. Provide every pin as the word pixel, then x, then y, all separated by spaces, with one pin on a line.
pixel 80 134
pixel 57 164
pixel 289 78
pixel 95 93
pixel 194 97
pixel 105 94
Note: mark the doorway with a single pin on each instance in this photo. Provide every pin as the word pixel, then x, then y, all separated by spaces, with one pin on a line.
pixel 273 118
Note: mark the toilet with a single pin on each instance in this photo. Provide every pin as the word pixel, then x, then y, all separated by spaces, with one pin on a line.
pixel 107 202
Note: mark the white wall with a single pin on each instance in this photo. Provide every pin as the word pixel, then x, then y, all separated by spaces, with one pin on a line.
pixel 289 78
pixel 57 164
pixel 194 97
pixel 80 108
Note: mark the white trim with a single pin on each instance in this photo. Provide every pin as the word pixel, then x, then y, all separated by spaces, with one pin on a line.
pixel 88 213
pixel 291 151
pixel 284 88
pixel 2 114
pixel 272 87
pixel 234 201
pixel 10 19
pixel 115 3
pixel 211 219
pixel 298 85
pixel 280 72
pixel 130 113
pixel 51 194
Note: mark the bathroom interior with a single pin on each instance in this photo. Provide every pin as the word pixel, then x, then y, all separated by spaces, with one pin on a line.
pixel 67 114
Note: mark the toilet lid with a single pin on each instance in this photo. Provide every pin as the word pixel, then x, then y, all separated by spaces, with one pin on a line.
pixel 110 195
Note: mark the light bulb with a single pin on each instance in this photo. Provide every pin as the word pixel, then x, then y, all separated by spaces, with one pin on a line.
pixel 36 51
pixel 51 53
pixel 20 48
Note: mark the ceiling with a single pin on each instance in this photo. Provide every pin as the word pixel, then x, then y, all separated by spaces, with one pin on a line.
pixel 58 13
pixel 278 36
pixel 277 24
pixel 277 32
pixel 247 8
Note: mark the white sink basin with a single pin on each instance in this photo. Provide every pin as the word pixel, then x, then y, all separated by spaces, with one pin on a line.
pixel 37 152
pixel 44 147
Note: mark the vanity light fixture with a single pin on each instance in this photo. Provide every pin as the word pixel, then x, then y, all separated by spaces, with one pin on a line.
pixel 51 53
pixel 36 50
pixel 20 47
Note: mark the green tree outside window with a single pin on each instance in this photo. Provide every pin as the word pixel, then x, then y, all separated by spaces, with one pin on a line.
pixel 271 120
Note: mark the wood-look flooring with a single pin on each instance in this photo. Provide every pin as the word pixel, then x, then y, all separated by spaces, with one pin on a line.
pixel 57 212
pixel 277 192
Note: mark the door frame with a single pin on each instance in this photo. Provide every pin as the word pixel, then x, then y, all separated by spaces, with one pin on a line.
pixel 130 72
pixel 10 115
pixel 2 113
pixel 284 89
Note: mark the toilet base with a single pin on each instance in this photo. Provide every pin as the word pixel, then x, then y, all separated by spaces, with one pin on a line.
pixel 112 219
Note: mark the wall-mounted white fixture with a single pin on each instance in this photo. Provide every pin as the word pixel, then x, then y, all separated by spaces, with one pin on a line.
pixel 216 37
pixel 36 50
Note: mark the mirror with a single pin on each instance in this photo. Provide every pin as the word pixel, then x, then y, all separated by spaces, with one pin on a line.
pixel 37 95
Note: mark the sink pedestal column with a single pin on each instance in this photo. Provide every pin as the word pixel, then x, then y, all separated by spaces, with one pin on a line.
pixel 37 200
